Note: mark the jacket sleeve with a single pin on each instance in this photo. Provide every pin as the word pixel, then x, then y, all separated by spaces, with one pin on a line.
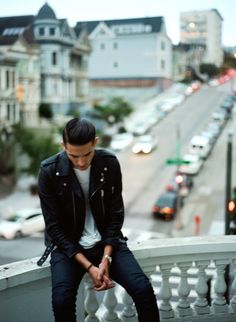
pixel 113 229
pixel 50 210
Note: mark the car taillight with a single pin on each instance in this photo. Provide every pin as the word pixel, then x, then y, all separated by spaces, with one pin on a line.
pixel 168 210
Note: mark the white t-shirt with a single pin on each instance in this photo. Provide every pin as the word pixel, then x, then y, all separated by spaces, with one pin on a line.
pixel 90 235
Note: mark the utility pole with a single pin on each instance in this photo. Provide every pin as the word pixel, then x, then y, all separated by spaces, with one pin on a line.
pixel 228 194
pixel 178 221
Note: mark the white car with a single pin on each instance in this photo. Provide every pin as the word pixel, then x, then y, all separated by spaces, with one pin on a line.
pixel 121 140
pixel 200 145
pixel 22 223
pixel 145 144
pixel 194 165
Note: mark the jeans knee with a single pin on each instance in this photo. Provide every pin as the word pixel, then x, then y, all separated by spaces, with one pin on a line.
pixel 63 299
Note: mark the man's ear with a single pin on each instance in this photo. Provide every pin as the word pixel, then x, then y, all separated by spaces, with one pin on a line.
pixel 96 140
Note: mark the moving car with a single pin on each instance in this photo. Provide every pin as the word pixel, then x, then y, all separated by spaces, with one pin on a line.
pixel 145 144
pixel 120 141
pixel 165 206
pixel 22 223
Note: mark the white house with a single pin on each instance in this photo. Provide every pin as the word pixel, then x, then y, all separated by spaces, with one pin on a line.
pixel 129 52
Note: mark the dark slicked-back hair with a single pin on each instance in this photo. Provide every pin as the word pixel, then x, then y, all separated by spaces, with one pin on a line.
pixel 78 132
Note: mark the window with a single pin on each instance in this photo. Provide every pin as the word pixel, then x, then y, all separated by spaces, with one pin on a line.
pixel 163 45
pixel 14 112
pixel 12 31
pixel 54 58
pixel 51 31
pixel 115 64
pixel 13 79
pixel 8 112
pixel 162 64
pixel 7 79
pixel 41 32
pixel 115 45
pixel 102 46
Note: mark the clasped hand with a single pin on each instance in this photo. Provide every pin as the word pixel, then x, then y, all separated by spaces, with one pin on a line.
pixel 100 277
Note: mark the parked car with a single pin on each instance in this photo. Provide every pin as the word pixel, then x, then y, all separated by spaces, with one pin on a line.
pixel 200 145
pixel 120 141
pixel 194 165
pixel 145 144
pixel 140 128
pixel 22 223
pixel 165 206
pixel 214 128
pixel 184 187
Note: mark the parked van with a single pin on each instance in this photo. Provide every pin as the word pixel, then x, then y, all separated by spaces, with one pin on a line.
pixel 201 146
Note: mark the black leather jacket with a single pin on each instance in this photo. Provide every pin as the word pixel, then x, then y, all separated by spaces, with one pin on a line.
pixel 63 203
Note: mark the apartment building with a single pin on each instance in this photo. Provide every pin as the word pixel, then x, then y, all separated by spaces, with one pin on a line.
pixel 204 29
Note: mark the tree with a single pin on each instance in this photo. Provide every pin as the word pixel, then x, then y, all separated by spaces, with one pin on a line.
pixel 115 110
pixel 7 151
pixel 210 69
pixel 36 147
pixel 45 111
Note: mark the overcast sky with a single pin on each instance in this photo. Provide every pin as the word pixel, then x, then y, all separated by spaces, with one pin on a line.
pixel 78 10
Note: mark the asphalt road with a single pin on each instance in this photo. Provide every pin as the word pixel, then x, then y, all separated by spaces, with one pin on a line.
pixel 145 177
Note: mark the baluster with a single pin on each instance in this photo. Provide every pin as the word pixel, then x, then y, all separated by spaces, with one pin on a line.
pixel 183 306
pixel 201 304
pixel 110 303
pixel 165 294
pixel 91 303
pixel 129 312
pixel 233 287
pixel 219 304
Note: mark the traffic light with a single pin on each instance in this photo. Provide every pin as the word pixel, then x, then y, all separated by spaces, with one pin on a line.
pixel 179 179
pixel 231 206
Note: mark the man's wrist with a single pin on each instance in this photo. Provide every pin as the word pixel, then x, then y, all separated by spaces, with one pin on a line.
pixel 88 268
pixel 109 258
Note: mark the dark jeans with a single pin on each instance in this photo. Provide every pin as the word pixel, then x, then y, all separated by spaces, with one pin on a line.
pixel 67 274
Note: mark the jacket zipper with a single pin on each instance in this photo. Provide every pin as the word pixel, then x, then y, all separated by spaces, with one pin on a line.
pixel 102 199
pixel 95 191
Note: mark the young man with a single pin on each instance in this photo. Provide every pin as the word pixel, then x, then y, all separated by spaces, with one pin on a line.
pixel 81 197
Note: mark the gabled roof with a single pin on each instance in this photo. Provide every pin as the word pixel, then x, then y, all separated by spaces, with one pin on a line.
pixel 12 27
pixel 155 22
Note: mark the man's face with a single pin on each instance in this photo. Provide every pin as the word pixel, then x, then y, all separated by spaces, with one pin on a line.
pixel 81 155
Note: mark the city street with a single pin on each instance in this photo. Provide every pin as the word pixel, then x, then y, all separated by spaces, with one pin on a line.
pixel 146 176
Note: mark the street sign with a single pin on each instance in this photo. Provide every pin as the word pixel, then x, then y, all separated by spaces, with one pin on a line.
pixel 177 161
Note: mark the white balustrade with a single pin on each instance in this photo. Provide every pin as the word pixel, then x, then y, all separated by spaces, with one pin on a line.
pixel 91 304
pixel 201 304
pixel 129 312
pixel 219 303
pixel 187 254
pixel 110 303
pixel 233 289
pixel 165 294
pixel 183 306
